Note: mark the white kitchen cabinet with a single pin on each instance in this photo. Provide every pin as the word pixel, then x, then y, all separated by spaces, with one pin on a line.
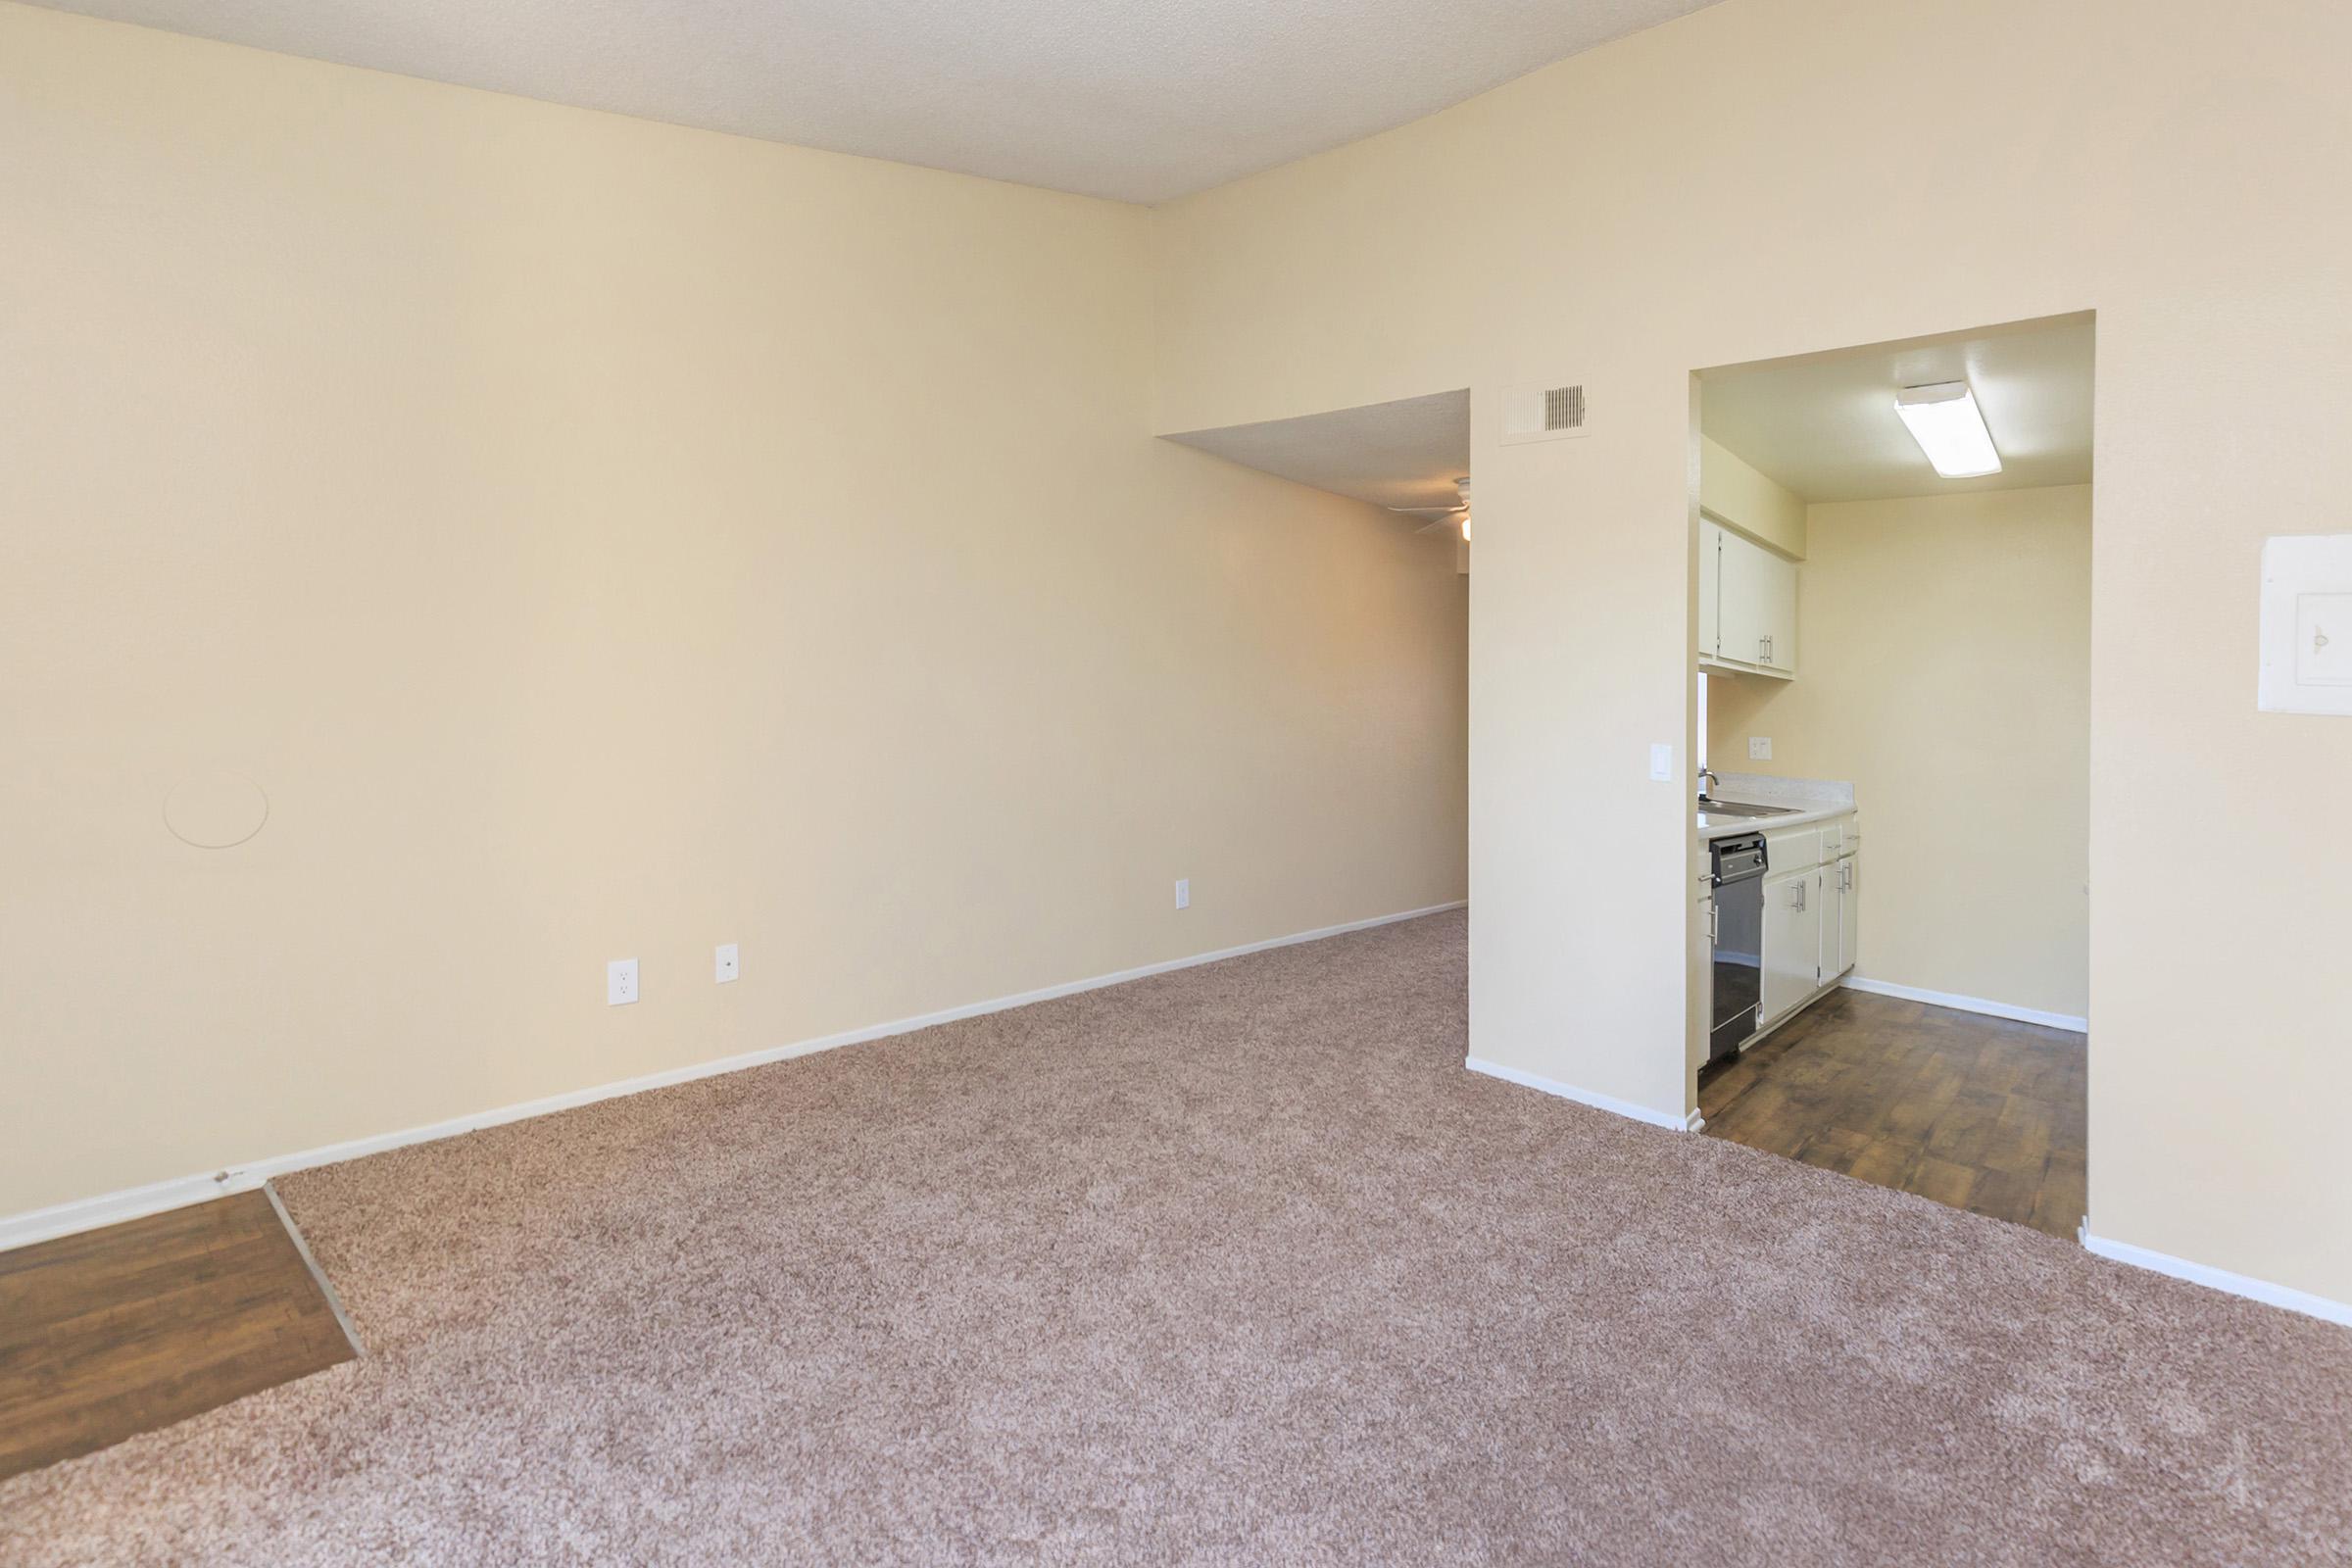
pixel 1777 612
pixel 1741 619
pixel 1845 876
pixel 1746 604
pixel 1830 887
pixel 1811 914
pixel 1710 587
pixel 1793 848
pixel 1793 906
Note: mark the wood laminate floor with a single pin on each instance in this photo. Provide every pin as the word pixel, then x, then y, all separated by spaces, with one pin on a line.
pixel 122 1330
pixel 1977 1112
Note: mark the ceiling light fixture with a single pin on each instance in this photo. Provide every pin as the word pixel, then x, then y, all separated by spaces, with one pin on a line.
pixel 1944 418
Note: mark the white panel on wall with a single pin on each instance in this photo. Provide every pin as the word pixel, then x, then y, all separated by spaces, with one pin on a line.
pixel 2307 624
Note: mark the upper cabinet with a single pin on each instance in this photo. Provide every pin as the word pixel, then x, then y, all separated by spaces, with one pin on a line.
pixel 1746 604
pixel 1777 598
pixel 1710 588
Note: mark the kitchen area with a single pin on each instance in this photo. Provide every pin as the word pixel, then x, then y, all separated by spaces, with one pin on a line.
pixel 1890 577
pixel 1784 860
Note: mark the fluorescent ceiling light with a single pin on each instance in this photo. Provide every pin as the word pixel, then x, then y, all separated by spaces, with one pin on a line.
pixel 1945 422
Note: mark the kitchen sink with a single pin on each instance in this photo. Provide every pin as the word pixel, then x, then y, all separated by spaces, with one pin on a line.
pixel 1742 809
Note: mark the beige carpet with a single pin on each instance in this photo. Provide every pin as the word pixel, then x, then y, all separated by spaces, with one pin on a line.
pixel 1235 1265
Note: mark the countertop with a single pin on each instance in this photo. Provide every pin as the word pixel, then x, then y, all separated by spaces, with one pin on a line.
pixel 1815 799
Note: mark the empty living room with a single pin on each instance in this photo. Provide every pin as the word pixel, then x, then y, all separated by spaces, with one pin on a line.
pixel 866 781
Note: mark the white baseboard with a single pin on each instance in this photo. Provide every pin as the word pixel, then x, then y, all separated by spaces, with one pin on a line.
pixel 112 1209
pixel 1944 998
pixel 2220 1279
pixel 1582 1096
pixel 109 1208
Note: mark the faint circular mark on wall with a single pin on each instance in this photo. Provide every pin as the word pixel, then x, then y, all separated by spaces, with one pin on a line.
pixel 215 810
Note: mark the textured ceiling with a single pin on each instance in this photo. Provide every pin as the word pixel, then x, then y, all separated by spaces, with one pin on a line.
pixel 1403 454
pixel 1136 99
pixel 1826 427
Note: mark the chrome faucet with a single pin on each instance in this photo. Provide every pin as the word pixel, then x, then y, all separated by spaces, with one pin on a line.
pixel 1706 776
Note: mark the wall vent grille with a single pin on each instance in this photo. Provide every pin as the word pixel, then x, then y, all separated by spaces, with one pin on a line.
pixel 1542 413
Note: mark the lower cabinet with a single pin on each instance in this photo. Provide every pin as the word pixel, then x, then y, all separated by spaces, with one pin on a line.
pixel 1811 928
pixel 1793 906
pixel 1837 956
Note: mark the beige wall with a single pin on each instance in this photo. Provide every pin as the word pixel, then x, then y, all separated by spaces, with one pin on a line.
pixel 1770 177
pixel 606 539
pixel 1946 674
pixel 1733 490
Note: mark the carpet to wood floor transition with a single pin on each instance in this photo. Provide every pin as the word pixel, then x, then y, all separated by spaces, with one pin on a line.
pixel 1233 1265
pixel 136 1326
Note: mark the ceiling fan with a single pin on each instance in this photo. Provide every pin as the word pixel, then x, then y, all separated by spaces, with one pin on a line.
pixel 1449 519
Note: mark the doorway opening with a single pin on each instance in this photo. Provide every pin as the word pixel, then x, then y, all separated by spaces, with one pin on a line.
pixel 1408 461
pixel 1892 570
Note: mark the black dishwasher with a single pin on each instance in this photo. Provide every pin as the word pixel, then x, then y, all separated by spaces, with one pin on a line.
pixel 1739 864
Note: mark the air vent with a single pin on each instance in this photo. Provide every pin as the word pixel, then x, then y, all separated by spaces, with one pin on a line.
pixel 1543 412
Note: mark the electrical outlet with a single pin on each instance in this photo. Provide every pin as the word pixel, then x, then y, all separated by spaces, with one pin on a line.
pixel 1184 893
pixel 620 982
pixel 1661 762
pixel 729 966
pixel 1760 748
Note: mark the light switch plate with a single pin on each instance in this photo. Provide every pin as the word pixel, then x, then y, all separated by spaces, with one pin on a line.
pixel 2306 624
pixel 1760 748
pixel 1661 762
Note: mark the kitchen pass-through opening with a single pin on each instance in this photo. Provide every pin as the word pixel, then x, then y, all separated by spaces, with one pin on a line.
pixel 1891 658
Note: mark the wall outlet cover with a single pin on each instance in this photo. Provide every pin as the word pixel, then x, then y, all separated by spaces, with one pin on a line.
pixel 1661 762
pixel 728 966
pixel 620 982
pixel 1760 748
pixel 1184 893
